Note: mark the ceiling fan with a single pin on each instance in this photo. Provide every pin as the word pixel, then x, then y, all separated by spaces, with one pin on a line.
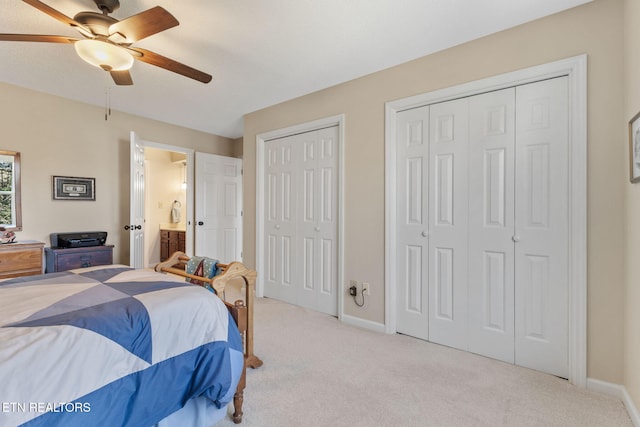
pixel 107 42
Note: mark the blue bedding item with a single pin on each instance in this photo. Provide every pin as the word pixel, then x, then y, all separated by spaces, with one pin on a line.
pixel 112 346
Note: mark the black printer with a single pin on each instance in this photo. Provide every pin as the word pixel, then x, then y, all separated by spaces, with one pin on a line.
pixel 78 239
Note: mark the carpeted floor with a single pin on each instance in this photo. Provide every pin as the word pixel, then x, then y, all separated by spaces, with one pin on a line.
pixel 320 372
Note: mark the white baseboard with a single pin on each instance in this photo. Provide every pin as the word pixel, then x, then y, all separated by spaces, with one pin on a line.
pixel 618 391
pixel 362 323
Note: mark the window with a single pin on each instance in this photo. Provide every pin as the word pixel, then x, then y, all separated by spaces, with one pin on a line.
pixel 10 209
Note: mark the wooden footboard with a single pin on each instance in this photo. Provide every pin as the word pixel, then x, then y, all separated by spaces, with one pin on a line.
pixel 239 313
pixel 241 310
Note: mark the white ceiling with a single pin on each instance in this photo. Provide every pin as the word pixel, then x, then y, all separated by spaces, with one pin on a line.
pixel 260 52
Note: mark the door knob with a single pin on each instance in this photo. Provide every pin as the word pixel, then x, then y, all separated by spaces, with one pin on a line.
pixel 200 223
pixel 516 239
pixel 424 234
pixel 317 228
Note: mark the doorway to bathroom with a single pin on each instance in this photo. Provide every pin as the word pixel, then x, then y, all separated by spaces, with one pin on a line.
pixel 165 204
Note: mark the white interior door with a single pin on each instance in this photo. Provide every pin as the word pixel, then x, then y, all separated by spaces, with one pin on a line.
pixel 136 202
pixel 280 226
pixel 491 242
pixel 448 217
pixel 218 207
pixel 491 224
pixel 300 225
pixel 413 222
pixel 317 224
pixel 432 230
pixel 541 230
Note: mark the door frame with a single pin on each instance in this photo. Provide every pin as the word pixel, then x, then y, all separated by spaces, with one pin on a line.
pixel 575 68
pixel 261 139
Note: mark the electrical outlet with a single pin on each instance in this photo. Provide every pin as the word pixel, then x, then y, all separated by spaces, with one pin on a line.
pixel 365 288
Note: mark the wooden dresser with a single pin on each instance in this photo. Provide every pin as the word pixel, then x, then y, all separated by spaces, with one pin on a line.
pixel 21 259
pixel 62 259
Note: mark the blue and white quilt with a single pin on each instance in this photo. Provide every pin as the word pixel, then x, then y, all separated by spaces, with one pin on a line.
pixel 111 346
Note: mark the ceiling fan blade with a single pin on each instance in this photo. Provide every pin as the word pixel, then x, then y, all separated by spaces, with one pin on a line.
pixel 169 64
pixel 55 14
pixel 144 24
pixel 36 38
pixel 121 78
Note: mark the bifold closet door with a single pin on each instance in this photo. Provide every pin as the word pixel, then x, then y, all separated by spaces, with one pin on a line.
pixel 518 225
pixel 482 224
pixel 280 219
pixel 541 227
pixel 448 216
pixel 301 220
pixel 317 231
pixel 412 222
pixel 491 224
pixel 432 217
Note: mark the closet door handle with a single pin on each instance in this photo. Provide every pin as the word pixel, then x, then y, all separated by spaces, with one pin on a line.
pixel 277 226
pixel 424 234
pixel 317 228
pixel 516 239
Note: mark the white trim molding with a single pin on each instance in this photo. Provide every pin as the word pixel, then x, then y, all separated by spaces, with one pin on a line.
pixel 575 69
pixel 337 120
pixel 619 391
pixel 363 323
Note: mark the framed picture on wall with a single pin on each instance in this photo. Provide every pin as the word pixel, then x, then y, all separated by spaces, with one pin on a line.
pixel 74 188
pixel 634 148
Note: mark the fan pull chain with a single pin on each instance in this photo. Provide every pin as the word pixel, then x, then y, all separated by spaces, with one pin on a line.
pixel 107 103
pixel 107 96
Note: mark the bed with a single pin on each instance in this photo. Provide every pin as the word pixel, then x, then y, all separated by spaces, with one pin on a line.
pixel 116 346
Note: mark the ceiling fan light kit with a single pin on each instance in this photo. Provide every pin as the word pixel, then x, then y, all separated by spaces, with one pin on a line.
pixel 104 55
pixel 107 41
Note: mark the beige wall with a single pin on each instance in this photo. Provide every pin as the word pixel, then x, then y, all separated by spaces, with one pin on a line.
pixel 56 136
pixel 632 219
pixel 594 29
pixel 237 148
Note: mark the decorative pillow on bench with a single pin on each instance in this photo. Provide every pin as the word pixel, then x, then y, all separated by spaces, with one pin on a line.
pixel 203 267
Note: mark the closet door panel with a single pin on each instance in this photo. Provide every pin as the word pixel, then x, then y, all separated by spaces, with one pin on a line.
pixel 542 217
pixel 317 229
pixel 491 224
pixel 326 228
pixel 413 227
pixel 448 239
pixel 280 226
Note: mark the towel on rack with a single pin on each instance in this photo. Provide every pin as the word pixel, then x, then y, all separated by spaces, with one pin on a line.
pixel 175 214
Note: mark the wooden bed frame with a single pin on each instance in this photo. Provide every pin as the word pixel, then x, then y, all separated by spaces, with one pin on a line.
pixel 241 310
